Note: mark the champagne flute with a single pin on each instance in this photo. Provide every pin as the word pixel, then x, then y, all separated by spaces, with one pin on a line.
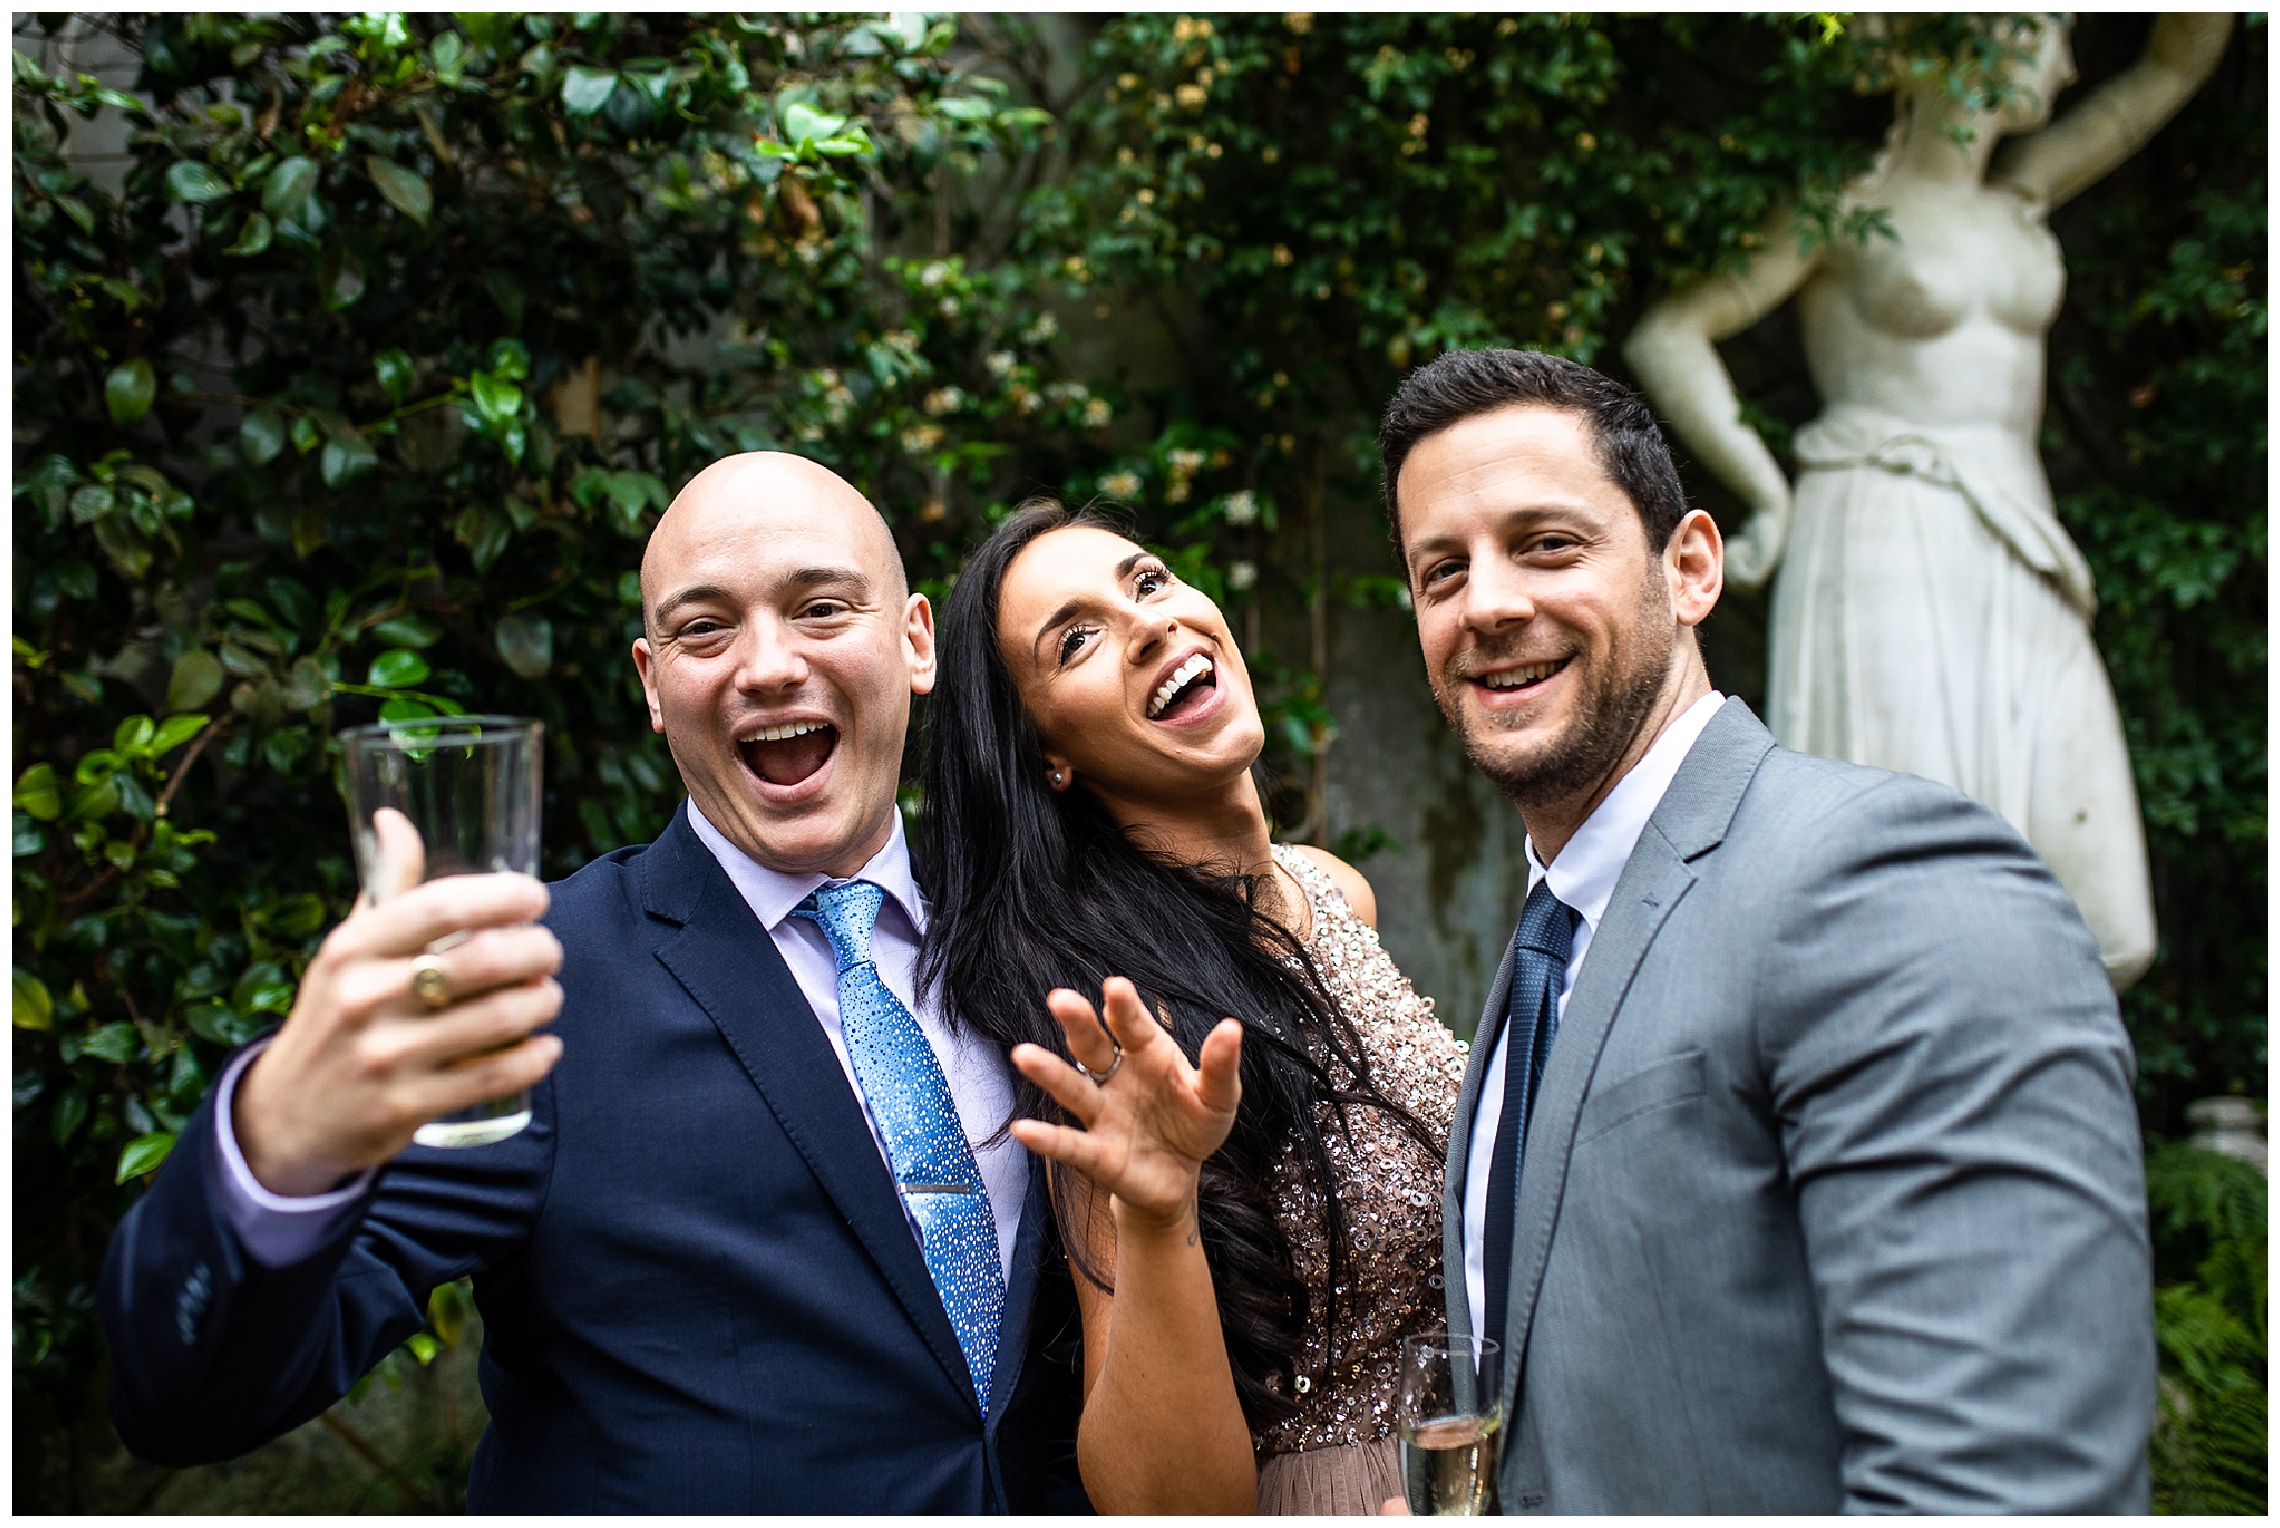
pixel 1449 1416
pixel 470 787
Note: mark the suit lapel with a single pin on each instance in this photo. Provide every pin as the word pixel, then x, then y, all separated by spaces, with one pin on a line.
pixel 725 961
pixel 1485 1035
pixel 1689 822
pixel 1021 1292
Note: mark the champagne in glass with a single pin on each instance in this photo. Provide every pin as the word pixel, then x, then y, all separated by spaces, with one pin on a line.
pixel 1449 1416
pixel 470 787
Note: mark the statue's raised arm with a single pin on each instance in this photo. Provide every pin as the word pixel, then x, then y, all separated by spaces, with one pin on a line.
pixel 1931 614
pixel 2114 121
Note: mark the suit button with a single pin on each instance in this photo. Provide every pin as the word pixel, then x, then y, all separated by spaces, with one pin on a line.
pixel 190 1304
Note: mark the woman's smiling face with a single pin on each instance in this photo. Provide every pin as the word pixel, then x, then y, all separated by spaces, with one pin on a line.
pixel 1131 676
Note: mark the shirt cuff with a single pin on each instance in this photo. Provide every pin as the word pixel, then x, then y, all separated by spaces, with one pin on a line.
pixel 275 1229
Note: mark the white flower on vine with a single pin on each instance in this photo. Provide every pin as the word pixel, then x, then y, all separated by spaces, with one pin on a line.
pixel 1121 485
pixel 1241 508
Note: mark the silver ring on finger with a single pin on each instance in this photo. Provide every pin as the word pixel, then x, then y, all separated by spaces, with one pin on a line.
pixel 1099 1079
pixel 431 983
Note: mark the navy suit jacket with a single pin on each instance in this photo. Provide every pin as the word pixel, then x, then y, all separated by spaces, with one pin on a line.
pixel 698 1287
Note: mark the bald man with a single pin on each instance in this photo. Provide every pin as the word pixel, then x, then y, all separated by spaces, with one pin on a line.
pixel 764 1246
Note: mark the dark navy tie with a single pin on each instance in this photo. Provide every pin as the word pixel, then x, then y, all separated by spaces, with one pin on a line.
pixel 1540 949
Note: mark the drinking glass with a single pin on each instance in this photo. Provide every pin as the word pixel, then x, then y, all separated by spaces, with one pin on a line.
pixel 470 786
pixel 1449 1415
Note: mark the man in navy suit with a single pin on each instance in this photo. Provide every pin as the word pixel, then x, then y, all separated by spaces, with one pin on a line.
pixel 763 1245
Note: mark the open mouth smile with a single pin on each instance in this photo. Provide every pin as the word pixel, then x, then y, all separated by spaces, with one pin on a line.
pixel 1185 693
pixel 1526 679
pixel 788 753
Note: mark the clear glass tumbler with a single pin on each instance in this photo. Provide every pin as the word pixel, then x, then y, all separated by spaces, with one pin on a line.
pixel 470 786
pixel 1449 1415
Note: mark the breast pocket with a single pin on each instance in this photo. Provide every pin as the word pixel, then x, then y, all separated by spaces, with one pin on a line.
pixel 1663 1085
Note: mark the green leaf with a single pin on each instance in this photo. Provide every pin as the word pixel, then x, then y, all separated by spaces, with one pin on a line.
pixel 496 400
pixel 288 187
pixel 134 735
pixel 408 631
pixel 37 794
pixel 92 503
pixel 402 710
pixel 70 1114
pixel 297 917
pixel 144 1154
pixel 34 1009
pixel 93 803
pixel 128 391
pixel 305 434
pixel 525 641
pixel 397 668
pixel 113 1042
pixel 346 456
pixel 254 238
pixel 174 732
pixel 803 122
pixel 508 358
pixel 406 190
pixel 393 368
pixel 307 685
pixel 585 91
pixel 261 435
pixel 484 531
pixel 189 181
pixel 197 679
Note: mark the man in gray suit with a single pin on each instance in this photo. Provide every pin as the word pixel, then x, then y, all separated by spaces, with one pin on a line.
pixel 1796 1167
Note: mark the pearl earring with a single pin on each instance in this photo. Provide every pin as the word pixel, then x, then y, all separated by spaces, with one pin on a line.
pixel 1060 778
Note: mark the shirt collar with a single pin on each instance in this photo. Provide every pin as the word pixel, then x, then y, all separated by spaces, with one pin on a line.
pixel 772 894
pixel 1586 871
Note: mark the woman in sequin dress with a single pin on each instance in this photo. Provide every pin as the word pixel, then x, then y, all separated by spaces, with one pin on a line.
pixel 1251 1207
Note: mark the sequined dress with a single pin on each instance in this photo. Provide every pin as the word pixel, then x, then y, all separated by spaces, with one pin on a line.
pixel 1338 1454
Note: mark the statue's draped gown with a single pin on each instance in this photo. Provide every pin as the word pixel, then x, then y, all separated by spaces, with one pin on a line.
pixel 1931 615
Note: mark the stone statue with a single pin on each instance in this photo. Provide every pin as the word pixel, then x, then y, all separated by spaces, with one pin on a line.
pixel 1932 615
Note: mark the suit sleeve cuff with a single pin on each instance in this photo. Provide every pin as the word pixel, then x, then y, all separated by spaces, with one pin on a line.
pixel 276 1230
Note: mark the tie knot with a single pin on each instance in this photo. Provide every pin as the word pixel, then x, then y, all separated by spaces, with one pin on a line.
pixel 1547 925
pixel 846 913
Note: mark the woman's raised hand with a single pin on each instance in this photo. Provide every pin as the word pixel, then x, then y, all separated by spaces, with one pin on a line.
pixel 1148 1127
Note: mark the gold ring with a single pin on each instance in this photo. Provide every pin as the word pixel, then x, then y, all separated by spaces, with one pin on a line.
pixel 430 983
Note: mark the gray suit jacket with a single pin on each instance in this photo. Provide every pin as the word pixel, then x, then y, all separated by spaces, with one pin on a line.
pixel 1832 1197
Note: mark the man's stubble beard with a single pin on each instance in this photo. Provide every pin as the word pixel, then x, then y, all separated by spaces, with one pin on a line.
pixel 1614 706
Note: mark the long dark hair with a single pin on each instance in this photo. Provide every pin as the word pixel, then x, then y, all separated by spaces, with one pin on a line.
pixel 1032 889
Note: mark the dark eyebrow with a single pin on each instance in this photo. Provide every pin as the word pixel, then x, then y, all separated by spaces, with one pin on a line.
pixel 1071 607
pixel 695 594
pixel 799 578
pixel 808 578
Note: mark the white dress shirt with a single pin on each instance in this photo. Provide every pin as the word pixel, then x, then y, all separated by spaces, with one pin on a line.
pixel 1583 876
pixel 277 1229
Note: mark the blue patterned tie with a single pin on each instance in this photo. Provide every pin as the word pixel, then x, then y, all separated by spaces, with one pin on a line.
pixel 933 1164
pixel 1540 949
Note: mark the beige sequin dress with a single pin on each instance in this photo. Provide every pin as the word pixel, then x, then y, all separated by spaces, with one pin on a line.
pixel 1338 1454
